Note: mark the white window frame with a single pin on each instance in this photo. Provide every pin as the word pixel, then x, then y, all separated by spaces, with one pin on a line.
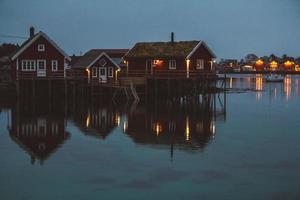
pixel 28 65
pixel 200 64
pixel 94 72
pixel 111 72
pixel 41 47
pixel 37 64
pixel 54 64
pixel 172 64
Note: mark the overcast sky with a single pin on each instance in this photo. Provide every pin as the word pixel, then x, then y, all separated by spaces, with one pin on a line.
pixel 232 28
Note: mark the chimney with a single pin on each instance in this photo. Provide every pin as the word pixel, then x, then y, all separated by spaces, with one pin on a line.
pixel 172 37
pixel 31 31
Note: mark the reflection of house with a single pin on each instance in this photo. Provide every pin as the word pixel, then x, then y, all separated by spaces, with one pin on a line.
pixel 39 131
pixel 99 65
pixel 175 127
pixel 96 120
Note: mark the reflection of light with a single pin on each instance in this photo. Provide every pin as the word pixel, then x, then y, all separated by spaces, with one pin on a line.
pixel 187 129
pixel 230 82
pixel 213 128
pixel 118 119
pixel 288 87
pixel 125 126
pixel 157 128
pixel 188 68
pixel 258 86
pixel 88 120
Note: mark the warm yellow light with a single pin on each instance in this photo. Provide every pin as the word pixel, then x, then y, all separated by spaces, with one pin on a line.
pixel 157 127
pixel 87 70
pixel 273 64
pixel 118 120
pixel 289 64
pixel 188 68
pixel 297 68
pixel 87 122
pixel 187 129
pixel 259 63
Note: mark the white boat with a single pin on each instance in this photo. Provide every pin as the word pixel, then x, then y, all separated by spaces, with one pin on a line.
pixel 274 78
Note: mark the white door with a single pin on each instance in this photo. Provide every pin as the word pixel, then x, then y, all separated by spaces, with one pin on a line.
pixel 102 75
pixel 41 68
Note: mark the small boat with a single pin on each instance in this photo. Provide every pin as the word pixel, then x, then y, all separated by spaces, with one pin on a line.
pixel 274 78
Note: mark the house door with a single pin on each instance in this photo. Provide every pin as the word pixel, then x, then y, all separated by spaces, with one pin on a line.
pixel 41 68
pixel 102 75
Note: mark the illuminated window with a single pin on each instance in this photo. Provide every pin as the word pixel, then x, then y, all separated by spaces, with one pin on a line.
pixel 94 72
pixel 172 64
pixel 41 47
pixel 200 64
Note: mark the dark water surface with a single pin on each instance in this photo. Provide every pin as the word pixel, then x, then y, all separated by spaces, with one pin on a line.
pixel 156 150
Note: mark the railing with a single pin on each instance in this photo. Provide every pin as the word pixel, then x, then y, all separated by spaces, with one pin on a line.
pixel 169 74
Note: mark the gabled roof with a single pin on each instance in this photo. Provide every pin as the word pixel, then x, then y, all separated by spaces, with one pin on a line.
pixel 183 49
pixel 31 40
pixel 90 57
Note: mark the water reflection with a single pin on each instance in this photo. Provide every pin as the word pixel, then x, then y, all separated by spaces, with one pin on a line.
pixel 257 83
pixel 38 127
pixel 96 119
pixel 173 125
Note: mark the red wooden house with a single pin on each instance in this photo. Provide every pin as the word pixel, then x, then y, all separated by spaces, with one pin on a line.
pixel 39 57
pixel 99 66
pixel 184 59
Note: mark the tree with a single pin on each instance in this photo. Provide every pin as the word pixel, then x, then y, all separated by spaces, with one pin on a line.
pixel 250 58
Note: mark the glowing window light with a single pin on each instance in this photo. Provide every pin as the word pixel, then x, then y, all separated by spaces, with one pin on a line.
pixel 288 64
pixel 259 63
pixel 273 64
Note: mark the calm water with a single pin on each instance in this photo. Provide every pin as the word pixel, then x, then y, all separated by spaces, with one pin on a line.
pixel 248 149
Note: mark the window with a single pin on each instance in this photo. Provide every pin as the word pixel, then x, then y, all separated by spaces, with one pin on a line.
pixel 94 71
pixel 41 64
pixel 172 64
pixel 54 64
pixel 28 65
pixel 110 72
pixel 41 47
pixel 200 64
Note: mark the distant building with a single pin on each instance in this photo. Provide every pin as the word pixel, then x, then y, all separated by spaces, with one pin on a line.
pixel 184 59
pixel 6 50
pixel 39 57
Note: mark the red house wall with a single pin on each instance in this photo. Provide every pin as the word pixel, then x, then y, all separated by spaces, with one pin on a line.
pixel 32 53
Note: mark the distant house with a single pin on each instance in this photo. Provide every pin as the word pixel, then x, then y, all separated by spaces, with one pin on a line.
pixel 99 66
pixel 6 50
pixel 39 57
pixel 184 59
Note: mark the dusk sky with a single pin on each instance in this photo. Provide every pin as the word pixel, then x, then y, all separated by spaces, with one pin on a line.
pixel 232 28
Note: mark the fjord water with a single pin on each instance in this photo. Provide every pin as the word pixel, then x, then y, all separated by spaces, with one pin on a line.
pixel 244 146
